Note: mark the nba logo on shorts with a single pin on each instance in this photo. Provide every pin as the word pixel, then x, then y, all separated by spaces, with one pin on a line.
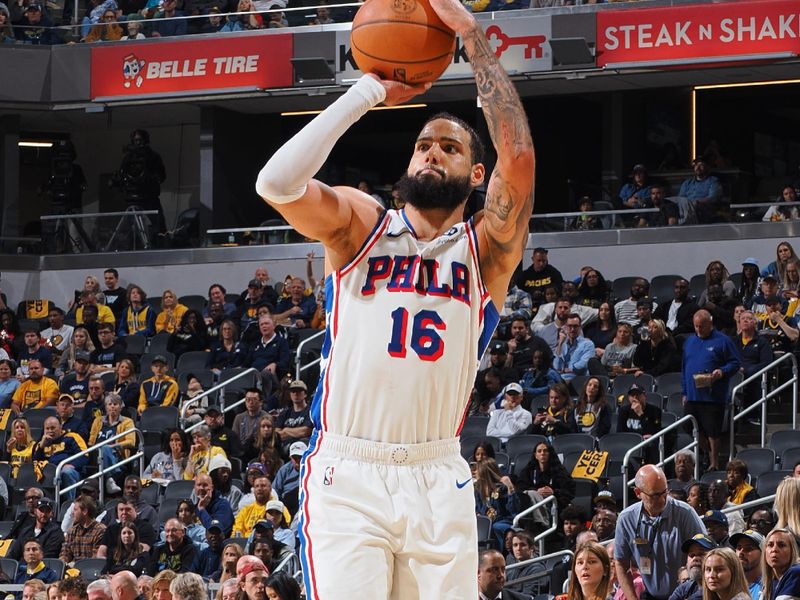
pixel 328 479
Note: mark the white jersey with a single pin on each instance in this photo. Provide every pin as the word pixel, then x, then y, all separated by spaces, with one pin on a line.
pixel 407 324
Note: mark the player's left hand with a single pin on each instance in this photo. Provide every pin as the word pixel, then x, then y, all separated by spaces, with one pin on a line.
pixel 454 15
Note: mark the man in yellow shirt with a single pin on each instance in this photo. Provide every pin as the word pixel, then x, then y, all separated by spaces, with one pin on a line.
pixel 104 313
pixel 253 513
pixel 37 391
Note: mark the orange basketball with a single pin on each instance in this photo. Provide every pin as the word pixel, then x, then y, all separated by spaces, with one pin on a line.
pixel 403 40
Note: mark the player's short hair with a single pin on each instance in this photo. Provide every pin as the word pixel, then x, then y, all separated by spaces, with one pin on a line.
pixel 476 148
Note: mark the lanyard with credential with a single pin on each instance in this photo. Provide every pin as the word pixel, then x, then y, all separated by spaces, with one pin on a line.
pixel 640 541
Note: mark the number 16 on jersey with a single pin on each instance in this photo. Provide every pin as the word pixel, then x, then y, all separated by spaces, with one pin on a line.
pixel 425 341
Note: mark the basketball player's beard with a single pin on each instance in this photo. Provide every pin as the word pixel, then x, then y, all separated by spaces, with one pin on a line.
pixel 429 191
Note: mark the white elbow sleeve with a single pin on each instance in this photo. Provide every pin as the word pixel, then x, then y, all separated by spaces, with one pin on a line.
pixel 286 175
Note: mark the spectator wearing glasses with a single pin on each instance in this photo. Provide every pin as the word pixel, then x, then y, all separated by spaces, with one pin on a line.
pixel 649 534
pixel 167 22
pixel 573 351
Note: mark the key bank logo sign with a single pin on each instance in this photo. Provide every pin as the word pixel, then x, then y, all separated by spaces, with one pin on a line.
pixel 135 71
pixel 519 42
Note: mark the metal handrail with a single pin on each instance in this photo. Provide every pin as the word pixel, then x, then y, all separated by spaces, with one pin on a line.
pixel 97 215
pixel 292 561
pixel 653 438
pixel 779 203
pixel 553 519
pixel 251 229
pixel 538 559
pixel 762 402
pixel 139 454
pixel 224 409
pixel 298 353
pixel 751 504
pixel 219 386
pixel 616 211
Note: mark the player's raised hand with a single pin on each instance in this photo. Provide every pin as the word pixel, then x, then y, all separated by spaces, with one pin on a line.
pixel 454 15
pixel 397 92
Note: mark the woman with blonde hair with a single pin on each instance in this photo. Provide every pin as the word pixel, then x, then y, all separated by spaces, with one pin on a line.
pixel 780 573
pixel 81 342
pixel 125 384
pixel 231 554
pixel 787 504
pixel 19 445
pixel 723 576
pixel 784 252
pixel 161 583
pixel 591 573
pixel 171 312
pixel 658 354
pixel 229 590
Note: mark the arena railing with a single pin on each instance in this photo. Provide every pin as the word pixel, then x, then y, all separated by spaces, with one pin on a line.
pixel 752 504
pixel 533 561
pixel 138 455
pixel 765 397
pixel 220 386
pixel 551 500
pixel 659 437
pixel 298 354
pixel 66 233
pixel 231 232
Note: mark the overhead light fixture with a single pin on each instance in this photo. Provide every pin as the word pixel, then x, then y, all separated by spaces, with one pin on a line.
pixel 302 113
pixel 29 144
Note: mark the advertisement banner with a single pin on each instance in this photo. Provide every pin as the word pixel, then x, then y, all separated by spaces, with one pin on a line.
pixel 185 66
pixel 698 33
pixel 519 42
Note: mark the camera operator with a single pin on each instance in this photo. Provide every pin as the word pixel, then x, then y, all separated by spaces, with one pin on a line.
pixel 65 189
pixel 141 174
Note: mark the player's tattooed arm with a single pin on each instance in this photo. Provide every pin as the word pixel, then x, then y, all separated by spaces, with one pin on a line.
pixel 509 198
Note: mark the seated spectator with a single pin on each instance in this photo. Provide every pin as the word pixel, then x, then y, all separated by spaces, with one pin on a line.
pixel 294 422
pixel 247 311
pixel 637 416
pixel 160 389
pixel 36 28
pixel 275 514
pixel 551 319
pixel 58 336
pixel 495 497
pixel 791 286
pixel 125 384
pixel 602 331
pixel 498 358
pixel 55 446
pixel 75 383
pixel 10 334
pixel 780 331
pixel 246 423
pixel 777 268
pixel 523 549
pixel 168 22
pixel 604 523
pixel 625 310
pixel 695 549
pixel 591 573
pixel 194 410
pixel 231 553
pixel 510 419
pixel 697 497
pixel 762 520
pixel 298 309
pixel 684 470
pixel 107 31
pixel 201 452
pixel 168 465
pixel 777 212
pixel 33 566
pixel 593 413
pixel 6 32
pixel 126 512
pixel 644 312
pixel 270 355
pixel 677 313
pixel 177 553
pixel 538 380
pixel 724 576
pixel 221 436
pixel 618 355
pixel 253 512
pixel 33 350
pixel 668 213
pixel 42 529
pixel 768 287
pixel 740 491
pixel 573 351
pixel 721 309
pixel 264 440
pixel 84 537
pixel 186 513
pixel 106 427
pixel 216 295
pixel 636 192
pixel 517 304
pixel 134 29
pixel 209 556
pixel 717 274
pixel 108 352
pixel 717 526
pixel 129 552
pixel 287 480
pixel 8 384
pixel 586 221
pixel 221 476
pixel 573 524
pixel 226 352
pixel 780 568
pixel 246 19
pixel 89 298
pixel 65 411
pixel 593 289
pixel 718 501
pixel 656 355
pixel 19 447
pixel 545 476
pixel 191 335
pixel 703 191
pixel 559 417
pixel 171 312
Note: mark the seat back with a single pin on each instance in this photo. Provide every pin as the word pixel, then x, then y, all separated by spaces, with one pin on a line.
pixel 159 418
pixel 768 482
pixel 618 444
pixel 758 460
pixel 521 444
pixel 662 286
pixel 783 440
pixel 572 442
pixel 668 383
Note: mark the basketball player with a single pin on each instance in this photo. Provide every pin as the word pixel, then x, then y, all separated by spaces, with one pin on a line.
pixel 412 298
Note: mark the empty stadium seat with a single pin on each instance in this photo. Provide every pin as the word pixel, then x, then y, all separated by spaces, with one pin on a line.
pixel 474 427
pixel 9 566
pixel 618 444
pixel 669 383
pixel 159 418
pixel 768 482
pixel 662 287
pixel 90 568
pixel 758 460
pixel 484 531
pixel 57 565
pixel 712 476
pixel 193 301
pixel 178 490
pixel 572 442
pixel 783 440
pixel 158 343
pixel 135 344
pixel 789 458
pixel 36 416
pixel 192 361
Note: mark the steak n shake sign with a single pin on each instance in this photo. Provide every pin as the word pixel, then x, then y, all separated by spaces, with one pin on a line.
pixel 698 33
pixel 191 66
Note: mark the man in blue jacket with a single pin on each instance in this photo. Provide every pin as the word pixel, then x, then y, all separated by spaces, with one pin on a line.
pixel 56 446
pixel 211 506
pixel 710 359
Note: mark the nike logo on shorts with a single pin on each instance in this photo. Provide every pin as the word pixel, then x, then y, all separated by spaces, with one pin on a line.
pixel 463 483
